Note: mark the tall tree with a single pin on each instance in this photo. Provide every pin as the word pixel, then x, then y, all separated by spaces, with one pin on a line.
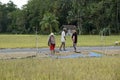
pixel 49 22
pixel 77 12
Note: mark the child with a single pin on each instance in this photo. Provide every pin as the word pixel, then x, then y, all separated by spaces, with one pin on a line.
pixel 51 43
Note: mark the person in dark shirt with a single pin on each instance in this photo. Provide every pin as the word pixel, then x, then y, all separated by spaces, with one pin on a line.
pixel 74 39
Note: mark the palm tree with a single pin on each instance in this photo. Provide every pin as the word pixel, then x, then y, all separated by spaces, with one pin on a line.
pixel 50 22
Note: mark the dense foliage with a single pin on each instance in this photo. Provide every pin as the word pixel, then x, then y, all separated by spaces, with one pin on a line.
pixel 90 16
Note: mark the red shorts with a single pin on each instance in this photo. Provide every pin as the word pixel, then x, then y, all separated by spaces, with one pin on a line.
pixel 52 46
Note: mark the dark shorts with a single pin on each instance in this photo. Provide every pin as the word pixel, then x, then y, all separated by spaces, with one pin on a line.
pixel 52 46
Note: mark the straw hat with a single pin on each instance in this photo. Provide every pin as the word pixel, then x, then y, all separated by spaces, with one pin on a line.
pixel 52 34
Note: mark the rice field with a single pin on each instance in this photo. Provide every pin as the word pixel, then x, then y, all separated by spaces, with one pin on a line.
pixel 104 68
pixel 30 41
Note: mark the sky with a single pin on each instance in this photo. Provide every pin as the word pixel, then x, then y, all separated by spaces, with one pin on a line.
pixel 19 3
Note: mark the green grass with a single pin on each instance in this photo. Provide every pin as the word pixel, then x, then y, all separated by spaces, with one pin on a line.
pixel 29 41
pixel 105 68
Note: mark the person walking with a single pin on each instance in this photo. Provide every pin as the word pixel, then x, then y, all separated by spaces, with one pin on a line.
pixel 74 39
pixel 51 43
pixel 63 39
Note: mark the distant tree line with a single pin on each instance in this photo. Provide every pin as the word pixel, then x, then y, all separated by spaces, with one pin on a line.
pixel 45 16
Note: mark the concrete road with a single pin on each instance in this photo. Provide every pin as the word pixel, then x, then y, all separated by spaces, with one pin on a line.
pixel 44 50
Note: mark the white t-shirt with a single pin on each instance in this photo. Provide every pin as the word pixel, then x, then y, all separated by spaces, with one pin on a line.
pixel 62 36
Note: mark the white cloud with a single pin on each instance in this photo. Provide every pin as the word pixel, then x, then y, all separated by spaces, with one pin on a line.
pixel 19 3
